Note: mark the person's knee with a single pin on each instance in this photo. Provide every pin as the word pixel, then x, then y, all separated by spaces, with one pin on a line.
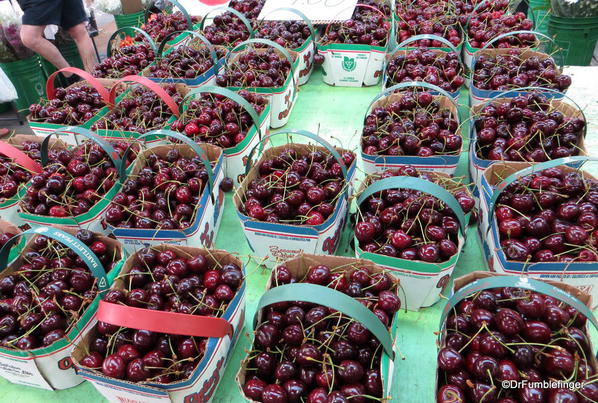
pixel 79 32
pixel 30 38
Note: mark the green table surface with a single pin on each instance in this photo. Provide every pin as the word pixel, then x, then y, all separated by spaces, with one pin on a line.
pixel 335 113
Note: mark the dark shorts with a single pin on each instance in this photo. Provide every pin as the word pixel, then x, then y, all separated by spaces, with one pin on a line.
pixel 64 13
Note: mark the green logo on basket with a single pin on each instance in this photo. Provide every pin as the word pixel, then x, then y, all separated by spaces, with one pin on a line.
pixel 349 63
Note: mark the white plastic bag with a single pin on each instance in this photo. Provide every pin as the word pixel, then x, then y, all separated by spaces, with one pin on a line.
pixel 8 91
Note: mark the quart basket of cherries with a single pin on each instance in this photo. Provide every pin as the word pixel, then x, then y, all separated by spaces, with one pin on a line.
pixel 20 159
pixel 172 192
pixel 266 68
pixel 76 184
pixel 298 192
pixel 529 127
pixel 167 327
pixel 139 105
pixel 514 31
pixel 125 56
pixel 49 299
pixel 193 62
pixel 506 73
pixel 233 121
pixel 324 332
pixel 298 36
pixel 413 224
pixel 440 67
pixel 362 41
pixel 229 28
pixel 75 105
pixel 515 339
pixel 426 20
pixel 408 124
pixel 161 26
pixel 542 219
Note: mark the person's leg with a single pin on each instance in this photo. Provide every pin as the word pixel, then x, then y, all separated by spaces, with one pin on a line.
pixel 73 19
pixel 84 44
pixel 33 38
pixel 37 14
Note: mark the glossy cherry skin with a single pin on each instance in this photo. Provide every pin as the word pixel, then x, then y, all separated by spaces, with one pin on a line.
pixel 114 366
pixel 449 359
pixel 450 394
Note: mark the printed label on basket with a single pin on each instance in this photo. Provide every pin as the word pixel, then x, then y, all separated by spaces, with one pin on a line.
pixel 22 372
pixel 347 68
pixel 316 10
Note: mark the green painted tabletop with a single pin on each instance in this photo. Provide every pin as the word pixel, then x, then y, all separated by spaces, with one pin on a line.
pixel 335 113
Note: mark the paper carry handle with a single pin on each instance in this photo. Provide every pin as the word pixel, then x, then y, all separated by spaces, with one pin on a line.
pixel 513 33
pixel 531 170
pixel 51 91
pixel 187 141
pixel 194 34
pixel 106 146
pixel 162 321
pixel 88 257
pixel 410 182
pixel 516 282
pixel 146 82
pixel 19 157
pixel 303 133
pixel 318 294
pixel 411 84
pixel 237 14
pixel 148 38
pixel 230 95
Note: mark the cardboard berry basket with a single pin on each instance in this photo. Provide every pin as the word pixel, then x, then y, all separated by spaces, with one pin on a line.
pixel 121 38
pixel 90 220
pixel 181 35
pixel 477 164
pixel 222 10
pixel 438 163
pixel 12 148
pixel 307 50
pixel 403 49
pixel 469 52
pixel 579 274
pixel 501 170
pixel 222 333
pixel 335 300
pixel 50 367
pixel 478 96
pixel 101 85
pixel 448 45
pixel 111 134
pixel 283 98
pixel 9 206
pixel 422 281
pixel 354 65
pixel 206 221
pixel 207 78
pixel 282 241
pixel 473 283
pixel 235 158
